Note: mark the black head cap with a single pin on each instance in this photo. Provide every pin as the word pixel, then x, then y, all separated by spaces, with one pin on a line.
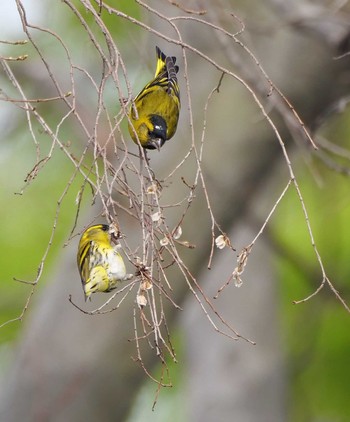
pixel 158 134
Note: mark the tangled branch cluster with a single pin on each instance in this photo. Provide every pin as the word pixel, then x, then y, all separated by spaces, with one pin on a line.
pixel 122 181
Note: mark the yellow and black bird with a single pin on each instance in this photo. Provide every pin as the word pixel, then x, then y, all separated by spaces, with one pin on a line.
pixel 101 266
pixel 157 106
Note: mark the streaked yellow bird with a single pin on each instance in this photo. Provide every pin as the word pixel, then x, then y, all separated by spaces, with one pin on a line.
pixel 157 106
pixel 101 266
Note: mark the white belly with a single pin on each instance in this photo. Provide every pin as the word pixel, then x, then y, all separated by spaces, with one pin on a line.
pixel 116 268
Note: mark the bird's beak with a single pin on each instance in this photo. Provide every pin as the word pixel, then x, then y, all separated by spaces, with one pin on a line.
pixel 157 143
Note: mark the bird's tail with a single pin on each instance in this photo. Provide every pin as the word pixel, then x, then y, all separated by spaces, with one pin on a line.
pixel 161 57
pixel 166 63
pixel 171 68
